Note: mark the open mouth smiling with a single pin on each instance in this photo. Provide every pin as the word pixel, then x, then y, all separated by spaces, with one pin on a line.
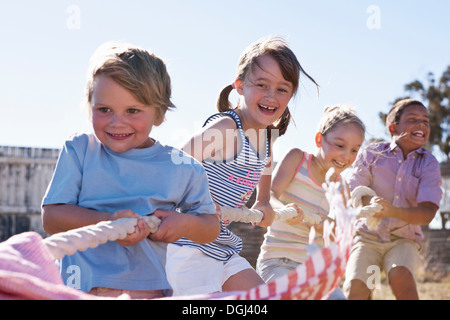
pixel 267 109
pixel 339 164
pixel 119 136
pixel 419 134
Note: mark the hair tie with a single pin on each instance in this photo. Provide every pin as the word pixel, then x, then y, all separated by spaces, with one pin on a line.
pixel 233 85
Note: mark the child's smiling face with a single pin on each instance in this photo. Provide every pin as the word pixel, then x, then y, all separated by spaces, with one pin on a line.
pixel 120 121
pixel 265 93
pixel 412 130
pixel 340 146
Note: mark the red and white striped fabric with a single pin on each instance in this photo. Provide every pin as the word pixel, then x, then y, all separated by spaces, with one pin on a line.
pixel 321 273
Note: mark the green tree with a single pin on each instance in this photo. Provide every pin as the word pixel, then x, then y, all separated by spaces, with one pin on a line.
pixel 437 97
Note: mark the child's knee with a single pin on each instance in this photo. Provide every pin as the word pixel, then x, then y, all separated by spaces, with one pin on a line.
pixel 356 290
pixel 403 283
pixel 401 275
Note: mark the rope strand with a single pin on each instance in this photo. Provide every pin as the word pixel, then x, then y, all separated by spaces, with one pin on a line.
pixel 366 212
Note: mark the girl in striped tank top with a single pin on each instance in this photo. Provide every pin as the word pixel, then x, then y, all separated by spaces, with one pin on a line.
pixel 234 148
pixel 298 181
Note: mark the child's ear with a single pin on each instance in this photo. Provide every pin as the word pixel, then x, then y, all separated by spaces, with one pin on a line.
pixel 391 128
pixel 238 86
pixel 318 140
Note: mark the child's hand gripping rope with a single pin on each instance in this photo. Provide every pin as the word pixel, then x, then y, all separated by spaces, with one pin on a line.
pixel 366 211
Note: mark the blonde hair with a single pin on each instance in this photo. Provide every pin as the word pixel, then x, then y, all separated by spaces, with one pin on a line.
pixel 291 69
pixel 339 115
pixel 139 71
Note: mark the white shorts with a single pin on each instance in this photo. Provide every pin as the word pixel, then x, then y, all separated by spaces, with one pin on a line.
pixel 190 272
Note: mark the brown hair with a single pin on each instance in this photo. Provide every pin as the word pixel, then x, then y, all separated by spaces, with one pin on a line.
pixel 137 70
pixel 291 69
pixel 397 109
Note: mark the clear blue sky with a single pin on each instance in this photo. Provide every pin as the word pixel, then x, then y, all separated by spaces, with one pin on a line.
pixel 360 52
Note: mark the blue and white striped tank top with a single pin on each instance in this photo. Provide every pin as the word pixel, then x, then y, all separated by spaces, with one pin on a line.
pixel 231 184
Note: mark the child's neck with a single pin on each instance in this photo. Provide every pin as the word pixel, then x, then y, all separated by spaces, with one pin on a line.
pixel 255 135
pixel 319 170
pixel 404 149
pixel 150 142
pixel 249 124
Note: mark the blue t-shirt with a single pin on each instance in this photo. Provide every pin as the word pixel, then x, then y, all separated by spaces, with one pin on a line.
pixel 90 175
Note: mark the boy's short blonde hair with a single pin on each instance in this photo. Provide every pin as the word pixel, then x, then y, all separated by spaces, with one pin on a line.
pixel 137 70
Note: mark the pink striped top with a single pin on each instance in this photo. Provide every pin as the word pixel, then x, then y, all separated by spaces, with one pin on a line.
pixel 286 241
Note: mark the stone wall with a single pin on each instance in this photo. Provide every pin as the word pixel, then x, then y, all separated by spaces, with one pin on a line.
pixel 24 176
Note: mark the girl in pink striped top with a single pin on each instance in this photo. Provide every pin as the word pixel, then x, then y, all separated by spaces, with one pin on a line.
pixel 298 181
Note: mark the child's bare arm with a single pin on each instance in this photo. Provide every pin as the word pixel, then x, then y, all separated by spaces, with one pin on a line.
pixel 201 228
pixel 284 173
pixel 420 215
pixel 262 202
pixel 215 141
pixel 63 217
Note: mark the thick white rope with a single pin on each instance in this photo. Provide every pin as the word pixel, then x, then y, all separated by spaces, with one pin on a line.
pixel 247 215
pixel 366 212
pixel 67 243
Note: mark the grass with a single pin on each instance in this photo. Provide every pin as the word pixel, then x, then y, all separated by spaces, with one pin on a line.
pixel 428 286
pixel 427 291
